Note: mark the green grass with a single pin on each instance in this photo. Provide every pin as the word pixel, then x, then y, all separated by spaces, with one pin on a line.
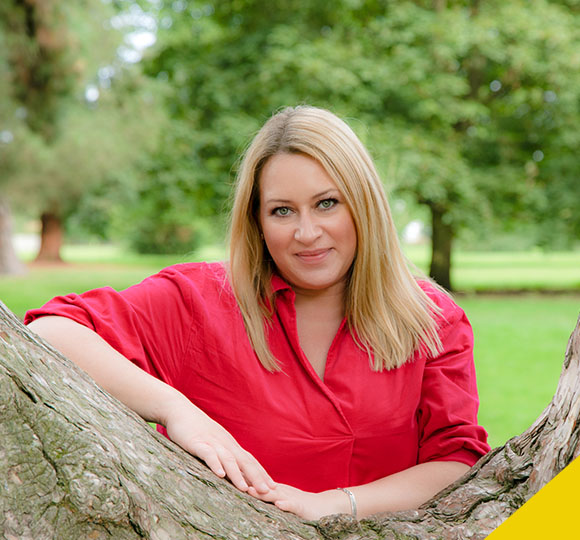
pixel 87 267
pixel 520 339
pixel 508 271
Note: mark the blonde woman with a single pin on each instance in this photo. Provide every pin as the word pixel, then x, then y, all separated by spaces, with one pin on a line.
pixel 313 371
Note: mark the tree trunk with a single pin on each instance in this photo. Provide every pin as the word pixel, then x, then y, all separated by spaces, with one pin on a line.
pixel 76 463
pixel 9 262
pixel 441 243
pixel 51 236
pixel 439 5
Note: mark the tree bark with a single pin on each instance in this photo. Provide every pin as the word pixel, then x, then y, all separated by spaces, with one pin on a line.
pixel 9 261
pixel 51 236
pixel 441 244
pixel 76 463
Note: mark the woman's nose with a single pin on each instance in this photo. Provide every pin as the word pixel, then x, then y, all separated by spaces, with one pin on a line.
pixel 307 230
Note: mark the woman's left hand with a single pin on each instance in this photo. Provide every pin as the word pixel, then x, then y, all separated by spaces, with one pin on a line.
pixel 309 506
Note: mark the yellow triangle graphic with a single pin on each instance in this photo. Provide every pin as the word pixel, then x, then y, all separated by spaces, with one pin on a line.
pixel 550 513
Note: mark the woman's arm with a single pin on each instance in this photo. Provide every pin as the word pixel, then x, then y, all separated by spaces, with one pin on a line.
pixel 407 489
pixel 401 491
pixel 155 401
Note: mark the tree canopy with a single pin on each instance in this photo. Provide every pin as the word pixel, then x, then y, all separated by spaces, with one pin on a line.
pixel 73 113
pixel 469 108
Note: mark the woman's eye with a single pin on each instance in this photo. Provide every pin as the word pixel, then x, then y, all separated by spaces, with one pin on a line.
pixel 281 211
pixel 327 203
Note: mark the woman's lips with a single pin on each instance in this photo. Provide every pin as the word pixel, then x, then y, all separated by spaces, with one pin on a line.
pixel 313 256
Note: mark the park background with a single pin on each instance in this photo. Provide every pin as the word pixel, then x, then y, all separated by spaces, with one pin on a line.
pixel 121 122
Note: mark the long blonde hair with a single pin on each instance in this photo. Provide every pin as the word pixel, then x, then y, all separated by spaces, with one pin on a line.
pixel 388 314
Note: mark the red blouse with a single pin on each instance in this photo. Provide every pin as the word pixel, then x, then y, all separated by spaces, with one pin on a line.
pixel 184 326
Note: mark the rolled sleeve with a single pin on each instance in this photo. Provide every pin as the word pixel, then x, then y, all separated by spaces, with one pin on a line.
pixel 447 416
pixel 148 323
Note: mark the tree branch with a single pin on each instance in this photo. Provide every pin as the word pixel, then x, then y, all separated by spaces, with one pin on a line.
pixel 77 463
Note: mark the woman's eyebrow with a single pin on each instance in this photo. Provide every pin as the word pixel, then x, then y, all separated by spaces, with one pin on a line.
pixel 277 201
pixel 316 196
pixel 325 192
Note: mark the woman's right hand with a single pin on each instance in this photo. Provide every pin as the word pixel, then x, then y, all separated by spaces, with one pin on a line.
pixel 193 430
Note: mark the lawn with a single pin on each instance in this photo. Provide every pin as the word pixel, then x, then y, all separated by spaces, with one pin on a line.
pixel 508 271
pixel 520 338
pixel 87 267
pixel 520 341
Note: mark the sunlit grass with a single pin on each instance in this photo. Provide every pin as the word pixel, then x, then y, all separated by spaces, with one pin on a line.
pixel 507 271
pixel 117 254
pixel 88 267
pixel 520 341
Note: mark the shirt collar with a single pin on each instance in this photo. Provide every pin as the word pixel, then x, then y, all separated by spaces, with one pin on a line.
pixel 278 284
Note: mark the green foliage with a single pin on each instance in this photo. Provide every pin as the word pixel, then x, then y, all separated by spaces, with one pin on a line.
pixel 476 97
pixel 94 142
pixel 42 64
pixel 161 221
pixel 472 108
pixel 177 208
pixel 69 147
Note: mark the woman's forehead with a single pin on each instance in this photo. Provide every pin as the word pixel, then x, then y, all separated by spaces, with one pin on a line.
pixel 293 174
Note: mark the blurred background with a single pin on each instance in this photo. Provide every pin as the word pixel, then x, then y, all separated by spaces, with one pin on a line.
pixel 121 122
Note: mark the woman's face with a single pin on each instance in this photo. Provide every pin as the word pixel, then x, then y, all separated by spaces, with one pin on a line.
pixel 306 223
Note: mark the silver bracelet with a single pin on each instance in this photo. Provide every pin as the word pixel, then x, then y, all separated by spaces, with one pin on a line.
pixel 352 499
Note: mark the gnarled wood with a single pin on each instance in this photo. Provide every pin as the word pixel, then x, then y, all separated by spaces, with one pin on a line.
pixel 76 463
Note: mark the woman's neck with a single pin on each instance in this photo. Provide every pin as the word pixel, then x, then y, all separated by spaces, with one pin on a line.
pixel 331 302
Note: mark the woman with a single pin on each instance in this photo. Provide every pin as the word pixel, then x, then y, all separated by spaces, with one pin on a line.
pixel 314 371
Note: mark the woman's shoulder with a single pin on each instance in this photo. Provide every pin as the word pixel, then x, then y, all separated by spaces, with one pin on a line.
pixel 449 311
pixel 199 278
pixel 195 271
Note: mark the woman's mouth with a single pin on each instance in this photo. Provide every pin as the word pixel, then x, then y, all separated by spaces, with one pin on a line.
pixel 313 256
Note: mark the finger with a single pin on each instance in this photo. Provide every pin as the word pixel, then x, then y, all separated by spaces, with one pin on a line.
pixel 232 468
pixel 293 507
pixel 255 474
pixel 285 505
pixel 221 462
pixel 209 455
pixel 271 483
pixel 269 496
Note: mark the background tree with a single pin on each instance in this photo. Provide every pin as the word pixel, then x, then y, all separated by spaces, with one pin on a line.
pixel 9 262
pixel 85 115
pixel 477 110
pixel 43 70
pixel 468 107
